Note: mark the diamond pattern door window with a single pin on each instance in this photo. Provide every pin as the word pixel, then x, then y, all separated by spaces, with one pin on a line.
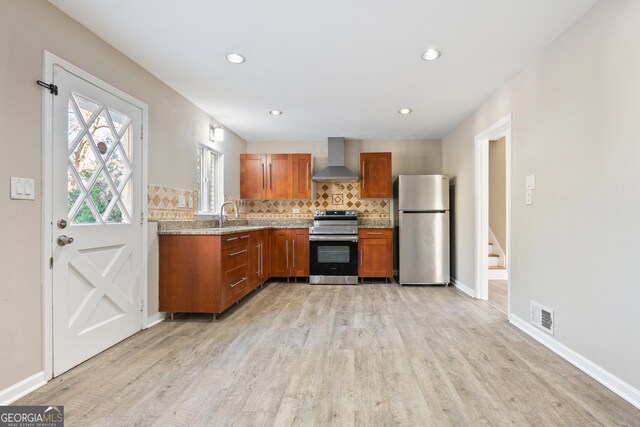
pixel 100 173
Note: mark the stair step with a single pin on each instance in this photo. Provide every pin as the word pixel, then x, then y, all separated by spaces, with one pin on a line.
pixel 494 255
pixel 497 267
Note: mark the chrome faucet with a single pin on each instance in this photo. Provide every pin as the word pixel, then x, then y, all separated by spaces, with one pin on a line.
pixel 221 221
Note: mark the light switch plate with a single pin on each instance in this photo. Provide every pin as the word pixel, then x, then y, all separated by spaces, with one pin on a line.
pixel 181 202
pixel 531 182
pixel 529 197
pixel 23 188
pixel 190 201
pixel 296 210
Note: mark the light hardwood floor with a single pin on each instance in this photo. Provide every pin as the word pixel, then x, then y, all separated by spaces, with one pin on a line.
pixel 498 294
pixel 367 355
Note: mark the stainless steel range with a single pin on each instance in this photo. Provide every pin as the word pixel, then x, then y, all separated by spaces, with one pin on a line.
pixel 333 248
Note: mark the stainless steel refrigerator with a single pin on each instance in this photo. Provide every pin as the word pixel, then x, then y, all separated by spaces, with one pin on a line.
pixel 421 222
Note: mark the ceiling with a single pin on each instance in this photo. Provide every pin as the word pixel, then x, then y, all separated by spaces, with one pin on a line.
pixel 335 67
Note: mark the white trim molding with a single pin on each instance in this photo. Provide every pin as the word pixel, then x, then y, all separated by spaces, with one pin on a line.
pixel 463 288
pixel 22 388
pixel 156 318
pixel 500 129
pixel 604 377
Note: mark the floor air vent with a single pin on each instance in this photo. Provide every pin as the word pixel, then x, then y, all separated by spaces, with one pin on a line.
pixel 542 317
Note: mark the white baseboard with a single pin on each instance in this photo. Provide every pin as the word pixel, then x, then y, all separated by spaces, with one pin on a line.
pixel 498 275
pixel 22 388
pixel 156 318
pixel 467 290
pixel 604 377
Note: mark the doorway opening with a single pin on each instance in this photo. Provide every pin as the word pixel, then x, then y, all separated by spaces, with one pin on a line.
pixel 493 214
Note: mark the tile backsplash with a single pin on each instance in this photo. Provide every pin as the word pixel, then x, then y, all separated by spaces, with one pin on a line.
pixel 162 203
pixel 329 195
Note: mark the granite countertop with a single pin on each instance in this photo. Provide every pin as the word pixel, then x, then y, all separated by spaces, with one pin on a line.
pixel 375 224
pixel 210 228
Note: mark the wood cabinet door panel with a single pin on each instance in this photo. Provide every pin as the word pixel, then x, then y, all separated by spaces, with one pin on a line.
pixel 279 170
pixel 299 252
pixel 280 253
pixel 375 175
pixel 253 176
pixel 376 258
pixel 301 176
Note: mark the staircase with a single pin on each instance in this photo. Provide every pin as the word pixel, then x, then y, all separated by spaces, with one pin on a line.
pixel 497 269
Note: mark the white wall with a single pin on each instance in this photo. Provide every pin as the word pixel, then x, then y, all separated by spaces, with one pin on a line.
pixel 175 127
pixel 576 125
pixel 498 191
pixel 410 156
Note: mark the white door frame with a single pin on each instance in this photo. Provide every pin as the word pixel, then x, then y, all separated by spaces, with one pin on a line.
pixel 500 129
pixel 49 60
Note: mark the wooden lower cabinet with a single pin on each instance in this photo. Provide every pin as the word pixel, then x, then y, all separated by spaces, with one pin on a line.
pixel 290 253
pixel 375 252
pixel 207 274
pixel 259 257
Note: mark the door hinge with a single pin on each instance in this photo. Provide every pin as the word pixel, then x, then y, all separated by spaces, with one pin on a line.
pixel 142 131
pixel 141 305
pixel 141 218
pixel 53 89
pixel 51 263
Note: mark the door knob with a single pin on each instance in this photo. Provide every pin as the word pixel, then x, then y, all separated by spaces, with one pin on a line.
pixel 64 240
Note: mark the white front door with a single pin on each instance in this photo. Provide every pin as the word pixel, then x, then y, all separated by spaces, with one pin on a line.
pixel 96 201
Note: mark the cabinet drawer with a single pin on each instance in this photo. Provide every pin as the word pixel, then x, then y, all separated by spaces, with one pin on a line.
pixel 234 272
pixel 228 241
pixel 375 233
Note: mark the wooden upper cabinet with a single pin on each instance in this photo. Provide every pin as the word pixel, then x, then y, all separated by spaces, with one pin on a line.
pixel 253 178
pixel 375 176
pixel 275 176
pixel 279 168
pixel 301 176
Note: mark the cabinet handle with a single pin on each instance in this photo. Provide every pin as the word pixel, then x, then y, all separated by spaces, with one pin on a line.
pixel 238 253
pixel 258 264
pixel 369 232
pixel 262 165
pixel 232 238
pixel 247 236
pixel 270 178
pixel 307 175
pixel 260 259
pixel 238 282
pixel 363 181
pixel 360 257
pixel 287 252
pixel 293 252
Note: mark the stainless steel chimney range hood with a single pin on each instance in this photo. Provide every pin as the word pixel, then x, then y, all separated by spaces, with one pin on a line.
pixel 336 171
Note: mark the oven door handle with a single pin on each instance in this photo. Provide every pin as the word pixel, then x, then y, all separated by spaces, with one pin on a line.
pixel 330 238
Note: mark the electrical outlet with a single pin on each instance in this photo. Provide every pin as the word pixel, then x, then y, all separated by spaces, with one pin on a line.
pixel 296 210
pixel 181 202
pixel 190 201
pixel 529 197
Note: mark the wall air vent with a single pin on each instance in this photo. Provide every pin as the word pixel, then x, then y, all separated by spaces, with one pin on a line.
pixel 542 317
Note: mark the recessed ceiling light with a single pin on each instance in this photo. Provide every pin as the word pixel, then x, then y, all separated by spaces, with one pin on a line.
pixel 275 112
pixel 234 58
pixel 405 111
pixel 431 55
